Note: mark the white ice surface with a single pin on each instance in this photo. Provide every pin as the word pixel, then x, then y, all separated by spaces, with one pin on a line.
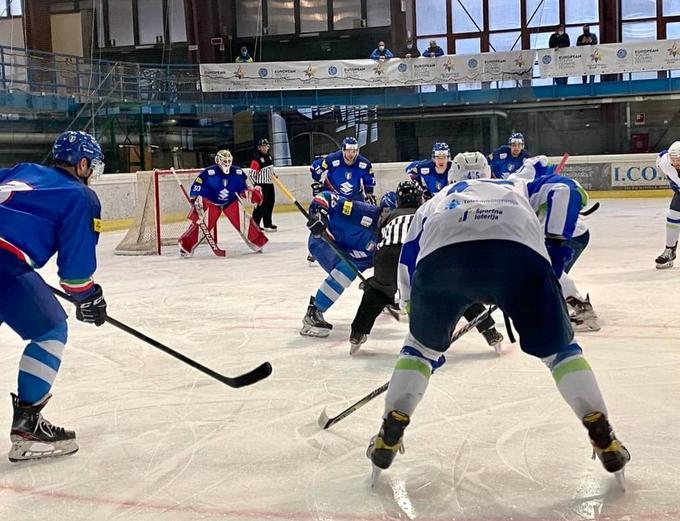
pixel 492 439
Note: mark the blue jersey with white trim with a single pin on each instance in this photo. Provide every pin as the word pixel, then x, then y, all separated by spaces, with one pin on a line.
pixel 503 163
pixel 46 210
pixel 557 200
pixel 352 224
pixel 663 163
pixel 425 173
pixel 220 188
pixel 352 181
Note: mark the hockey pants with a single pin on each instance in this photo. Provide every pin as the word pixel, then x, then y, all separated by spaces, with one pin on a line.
pixel 249 231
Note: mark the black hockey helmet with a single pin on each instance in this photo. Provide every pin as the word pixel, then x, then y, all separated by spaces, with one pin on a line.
pixel 409 194
pixel 263 142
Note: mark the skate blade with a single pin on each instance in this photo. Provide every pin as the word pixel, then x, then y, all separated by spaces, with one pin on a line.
pixel 375 475
pixel 32 450
pixel 315 332
pixel 585 326
pixel 665 266
pixel 353 348
pixel 621 479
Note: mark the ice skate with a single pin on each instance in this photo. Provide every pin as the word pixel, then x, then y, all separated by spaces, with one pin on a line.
pixel 271 228
pixel 184 254
pixel 33 437
pixel 384 446
pixel 665 260
pixel 494 338
pixel 610 451
pixel 355 341
pixel 313 323
pixel 583 317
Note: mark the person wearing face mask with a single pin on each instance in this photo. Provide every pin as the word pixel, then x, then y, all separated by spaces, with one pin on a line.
pixel 587 38
pixel 244 56
pixel 381 52
pixel 558 40
pixel 409 50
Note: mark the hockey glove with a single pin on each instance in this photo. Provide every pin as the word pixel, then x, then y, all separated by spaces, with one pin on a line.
pixel 317 188
pixel 318 222
pixel 198 205
pixel 254 195
pixel 92 309
pixel 560 254
pixel 370 199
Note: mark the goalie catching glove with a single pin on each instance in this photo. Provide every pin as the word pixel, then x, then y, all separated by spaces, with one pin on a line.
pixel 92 309
pixel 253 195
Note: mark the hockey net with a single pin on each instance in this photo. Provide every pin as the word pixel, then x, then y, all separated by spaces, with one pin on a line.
pixel 161 212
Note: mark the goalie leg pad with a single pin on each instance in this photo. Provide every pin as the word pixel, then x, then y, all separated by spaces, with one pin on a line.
pixel 190 238
pixel 244 224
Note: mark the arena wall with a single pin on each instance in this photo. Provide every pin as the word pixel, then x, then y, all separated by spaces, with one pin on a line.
pixel 626 175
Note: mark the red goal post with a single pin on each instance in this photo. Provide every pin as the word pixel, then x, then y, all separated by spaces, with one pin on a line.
pixel 161 212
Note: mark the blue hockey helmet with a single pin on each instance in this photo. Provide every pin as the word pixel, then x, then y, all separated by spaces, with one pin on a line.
pixel 350 143
pixel 441 150
pixel 72 146
pixel 388 201
pixel 516 137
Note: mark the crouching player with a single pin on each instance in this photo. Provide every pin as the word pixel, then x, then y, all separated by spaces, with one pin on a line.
pixel 219 189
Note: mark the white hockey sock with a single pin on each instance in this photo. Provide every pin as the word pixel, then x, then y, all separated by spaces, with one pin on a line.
pixel 576 382
pixel 672 227
pixel 569 289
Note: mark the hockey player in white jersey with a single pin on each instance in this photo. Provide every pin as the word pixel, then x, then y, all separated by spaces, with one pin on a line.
pixel 669 163
pixel 481 241
pixel 558 200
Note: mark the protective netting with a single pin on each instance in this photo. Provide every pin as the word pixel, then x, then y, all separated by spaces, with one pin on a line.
pixel 160 213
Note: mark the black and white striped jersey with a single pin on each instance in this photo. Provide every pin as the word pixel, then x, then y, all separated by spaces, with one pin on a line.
pixel 393 230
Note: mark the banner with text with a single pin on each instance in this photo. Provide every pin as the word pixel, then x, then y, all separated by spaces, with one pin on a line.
pixel 344 74
pixel 609 58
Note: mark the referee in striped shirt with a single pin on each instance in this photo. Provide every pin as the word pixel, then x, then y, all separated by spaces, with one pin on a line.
pixel 263 168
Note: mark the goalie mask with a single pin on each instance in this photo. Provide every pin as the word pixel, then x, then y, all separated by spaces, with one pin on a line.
pixel 224 159
pixel 469 165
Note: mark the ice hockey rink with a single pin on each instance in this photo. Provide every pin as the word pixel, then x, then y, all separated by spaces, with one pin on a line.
pixel 491 441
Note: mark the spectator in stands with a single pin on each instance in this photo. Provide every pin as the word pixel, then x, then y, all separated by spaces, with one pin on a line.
pixel 559 39
pixel 433 50
pixel 244 56
pixel 409 50
pixel 587 38
pixel 381 52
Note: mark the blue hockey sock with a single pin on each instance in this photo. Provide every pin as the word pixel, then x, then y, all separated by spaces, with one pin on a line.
pixel 40 363
pixel 332 287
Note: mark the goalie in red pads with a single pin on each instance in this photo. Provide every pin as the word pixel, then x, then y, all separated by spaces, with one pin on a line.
pixel 218 189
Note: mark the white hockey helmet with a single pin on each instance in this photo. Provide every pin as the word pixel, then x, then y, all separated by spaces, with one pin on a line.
pixel 469 165
pixel 224 159
pixel 674 151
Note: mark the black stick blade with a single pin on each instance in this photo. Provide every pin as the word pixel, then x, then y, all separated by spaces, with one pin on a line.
pixel 259 373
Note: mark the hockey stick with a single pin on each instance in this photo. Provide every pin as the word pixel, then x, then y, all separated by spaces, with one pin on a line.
pixel 201 224
pixel 259 373
pixel 591 210
pixel 563 162
pixel 325 422
pixel 325 236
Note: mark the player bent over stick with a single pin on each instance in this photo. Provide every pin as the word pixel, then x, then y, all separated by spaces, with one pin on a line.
pixel 491 224
pixel 43 211
pixel 669 163
pixel 218 190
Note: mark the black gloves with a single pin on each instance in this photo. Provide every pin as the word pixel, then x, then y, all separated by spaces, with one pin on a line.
pixel 92 309
pixel 318 222
pixel 317 188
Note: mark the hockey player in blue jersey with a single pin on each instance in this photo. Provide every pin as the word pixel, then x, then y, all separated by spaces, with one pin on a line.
pixel 668 162
pixel 351 225
pixel 508 158
pixel 219 190
pixel 558 201
pixel 46 211
pixel 481 241
pixel 432 174
pixel 345 172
